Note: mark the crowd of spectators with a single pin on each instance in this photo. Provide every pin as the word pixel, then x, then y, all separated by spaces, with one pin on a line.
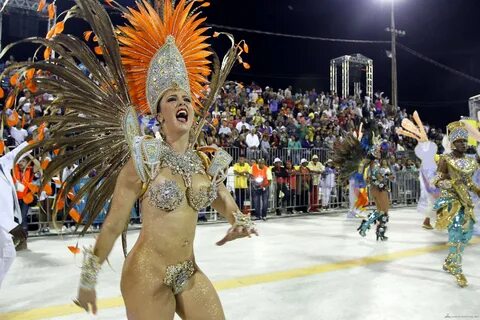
pixel 261 123
pixel 256 121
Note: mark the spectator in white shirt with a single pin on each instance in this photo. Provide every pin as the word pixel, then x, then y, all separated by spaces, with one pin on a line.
pixel 252 139
pixel 18 134
pixel 241 124
pixel 224 129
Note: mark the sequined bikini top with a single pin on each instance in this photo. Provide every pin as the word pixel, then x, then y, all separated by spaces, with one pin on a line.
pixel 168 196
pixel 379 176
pixel 152 155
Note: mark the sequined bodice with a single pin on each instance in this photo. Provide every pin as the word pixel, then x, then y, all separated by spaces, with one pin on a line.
pixel 168 195
pixel 461 168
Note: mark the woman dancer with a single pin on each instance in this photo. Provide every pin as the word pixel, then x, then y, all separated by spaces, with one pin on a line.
pixel 351 157
pixel 157 64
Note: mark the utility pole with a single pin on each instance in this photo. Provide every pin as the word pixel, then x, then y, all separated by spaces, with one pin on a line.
pixel 394 33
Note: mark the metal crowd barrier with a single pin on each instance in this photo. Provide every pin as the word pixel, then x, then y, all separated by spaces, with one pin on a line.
pixel 295 194
pixel 295 155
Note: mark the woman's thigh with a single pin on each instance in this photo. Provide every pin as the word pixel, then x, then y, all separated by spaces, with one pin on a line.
pixel 146 298
pixel 381 200
pixel 199 300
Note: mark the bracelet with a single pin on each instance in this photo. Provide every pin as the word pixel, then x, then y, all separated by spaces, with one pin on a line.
pixel 90 268
pixel 242 220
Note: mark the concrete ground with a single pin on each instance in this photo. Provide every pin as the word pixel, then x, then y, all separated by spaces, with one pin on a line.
pixel 309 267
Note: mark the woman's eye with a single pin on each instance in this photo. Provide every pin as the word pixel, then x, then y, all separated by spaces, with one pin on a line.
pixel 187 100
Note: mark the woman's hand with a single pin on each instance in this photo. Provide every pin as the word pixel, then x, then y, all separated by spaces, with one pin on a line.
pixel 237 232
pixel 87 299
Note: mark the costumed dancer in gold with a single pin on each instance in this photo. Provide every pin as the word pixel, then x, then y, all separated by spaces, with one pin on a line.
pixel 155 65
pixel 455 207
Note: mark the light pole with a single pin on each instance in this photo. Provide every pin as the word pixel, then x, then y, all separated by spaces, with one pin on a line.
pixel 394 33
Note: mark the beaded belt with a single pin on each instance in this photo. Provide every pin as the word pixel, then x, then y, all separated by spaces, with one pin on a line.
pixel 177 276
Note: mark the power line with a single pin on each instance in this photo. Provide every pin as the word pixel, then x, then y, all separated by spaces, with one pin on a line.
pixel 297 36
pixel 438 64
pixel 278 76
pixel 401 46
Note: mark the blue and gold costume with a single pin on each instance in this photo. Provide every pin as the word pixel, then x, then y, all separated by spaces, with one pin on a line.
pixel 455 207
pixel 379 178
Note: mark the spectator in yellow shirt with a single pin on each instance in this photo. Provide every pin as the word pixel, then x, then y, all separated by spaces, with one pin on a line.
pixel 316 168
pixel 241 170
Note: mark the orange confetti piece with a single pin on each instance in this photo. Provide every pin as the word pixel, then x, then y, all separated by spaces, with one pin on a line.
pixel 14 79
pixel 31 86
pixel 75 215
pixel 59 27
pixel 216 34
pixel 109 2
pixel 2 146
pixel 2 93
pixel 47 53
pixel 98 50
pixel 56 152
pixel 30 73
pixel 44 164
pixel 50 33
pixel 87 35
pixel 74 249
pixel 48 189
pixel 41 132
pixel 51 11
pixel 204 5
pixel 246 65
pixel 10 100
pixel 95 38
pixel 245 47
pixel 41 5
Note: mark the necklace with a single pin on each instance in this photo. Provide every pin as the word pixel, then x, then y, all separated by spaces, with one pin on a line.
pixel 186 164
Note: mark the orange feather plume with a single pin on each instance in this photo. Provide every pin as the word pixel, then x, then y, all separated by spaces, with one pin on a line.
pixel 147 33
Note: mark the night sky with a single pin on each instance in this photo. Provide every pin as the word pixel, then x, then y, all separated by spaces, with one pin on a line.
pixel 444 30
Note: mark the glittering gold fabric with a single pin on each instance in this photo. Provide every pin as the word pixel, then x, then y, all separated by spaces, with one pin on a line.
pixel 455 194
pixel 177 276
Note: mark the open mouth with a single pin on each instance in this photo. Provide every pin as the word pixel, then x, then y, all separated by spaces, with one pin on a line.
pixel 182 115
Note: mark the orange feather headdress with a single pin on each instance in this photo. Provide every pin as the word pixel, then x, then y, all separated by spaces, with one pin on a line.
pixel 164 50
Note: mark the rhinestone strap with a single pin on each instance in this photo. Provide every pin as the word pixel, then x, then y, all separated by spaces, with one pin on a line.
pixel 90 269
pixel 242 220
